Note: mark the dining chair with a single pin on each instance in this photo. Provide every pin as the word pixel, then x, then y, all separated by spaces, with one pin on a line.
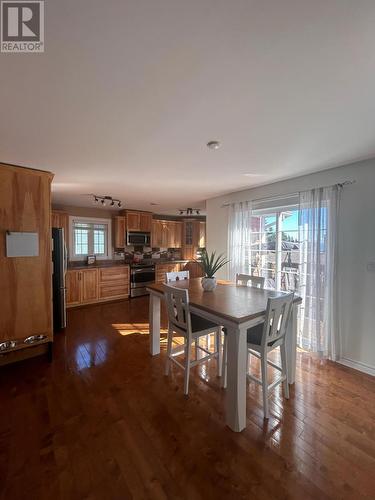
pixel 241 279
pixel 264 338
pixel 255 281
pixel 176 276
pixel 191 327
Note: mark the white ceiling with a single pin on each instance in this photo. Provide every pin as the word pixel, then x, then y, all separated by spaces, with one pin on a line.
pixel 128 93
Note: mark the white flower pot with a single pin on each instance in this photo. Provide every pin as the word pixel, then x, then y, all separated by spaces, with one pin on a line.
pixel 208 284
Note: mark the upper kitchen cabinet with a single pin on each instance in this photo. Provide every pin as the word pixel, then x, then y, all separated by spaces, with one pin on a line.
pixel 119 231
pixel 166 234
pixel 59 218
pixel 193 238
pixel 138 221
pixel 145 222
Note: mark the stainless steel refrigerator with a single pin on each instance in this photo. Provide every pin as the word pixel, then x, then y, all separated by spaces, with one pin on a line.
pixel 59 258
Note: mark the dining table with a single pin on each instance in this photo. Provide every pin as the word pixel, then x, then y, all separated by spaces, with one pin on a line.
pixel 237 308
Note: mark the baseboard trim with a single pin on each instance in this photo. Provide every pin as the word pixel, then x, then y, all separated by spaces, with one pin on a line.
pixel 358 365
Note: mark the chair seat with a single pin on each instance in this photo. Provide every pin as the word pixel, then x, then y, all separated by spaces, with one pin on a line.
pixel 199 324
pixel 254 334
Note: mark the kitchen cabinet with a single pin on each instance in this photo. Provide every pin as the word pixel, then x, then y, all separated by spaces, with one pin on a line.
pixel 114 282
pixel 59 218
pixel 145 222
pixel 166 234
pixel 81 286
pixel 89 279
pixel 161 269
pixel 138 221
pixel 195 270
pixel 193 238
pixel 88 286
pixel 73 288
pixel 119 230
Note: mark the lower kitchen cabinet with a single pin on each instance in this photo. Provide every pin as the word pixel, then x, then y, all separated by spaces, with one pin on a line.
pixel 195 270
pixel 113 283
pixel 161 269
pixel 89 279
pixel 88 286
pixel 73 288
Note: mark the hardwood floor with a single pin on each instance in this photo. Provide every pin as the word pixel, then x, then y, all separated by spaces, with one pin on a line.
pixel 103 422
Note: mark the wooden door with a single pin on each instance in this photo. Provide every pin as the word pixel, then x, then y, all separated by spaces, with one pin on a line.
pixel 145 222
pixel 89 283
pixel 133 221
pixel 73 287
pixel 120 231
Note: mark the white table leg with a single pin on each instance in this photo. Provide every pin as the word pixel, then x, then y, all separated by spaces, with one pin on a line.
pixel 236 386
pixel 154 319
pixel 291 346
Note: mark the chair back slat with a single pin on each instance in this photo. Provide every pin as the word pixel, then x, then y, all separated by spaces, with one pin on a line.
pixel 176 276
pixel 255 281
pixel 277 317
pixel 177 301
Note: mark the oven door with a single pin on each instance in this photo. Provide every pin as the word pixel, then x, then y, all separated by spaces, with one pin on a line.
pixel 142 277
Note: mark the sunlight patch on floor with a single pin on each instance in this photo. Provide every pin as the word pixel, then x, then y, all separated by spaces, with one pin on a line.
pixel 132 328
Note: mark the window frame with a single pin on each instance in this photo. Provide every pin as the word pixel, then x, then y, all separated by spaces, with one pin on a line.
pixel 89 220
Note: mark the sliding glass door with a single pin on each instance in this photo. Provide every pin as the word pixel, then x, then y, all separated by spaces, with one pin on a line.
pixel 274 249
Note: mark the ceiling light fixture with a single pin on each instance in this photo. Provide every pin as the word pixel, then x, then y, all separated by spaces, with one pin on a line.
pixel 106 199
pixel 213 144
pixel 189 211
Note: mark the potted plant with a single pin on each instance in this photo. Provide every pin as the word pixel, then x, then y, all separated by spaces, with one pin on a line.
pixel 210 264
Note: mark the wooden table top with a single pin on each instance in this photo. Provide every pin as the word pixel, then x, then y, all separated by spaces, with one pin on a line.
pixel 233 302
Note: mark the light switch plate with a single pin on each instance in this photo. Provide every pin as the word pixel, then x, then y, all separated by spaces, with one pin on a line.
pixel 371 267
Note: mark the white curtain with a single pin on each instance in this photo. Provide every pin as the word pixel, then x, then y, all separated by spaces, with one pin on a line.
pixel 239 231
pixel 318 220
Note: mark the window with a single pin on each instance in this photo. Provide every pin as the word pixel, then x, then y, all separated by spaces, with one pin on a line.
pixel 89 237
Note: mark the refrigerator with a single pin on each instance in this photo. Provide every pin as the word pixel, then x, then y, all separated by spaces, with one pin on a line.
pixel 59 259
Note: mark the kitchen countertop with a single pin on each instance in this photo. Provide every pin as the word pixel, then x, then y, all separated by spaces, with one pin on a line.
pixel 115 263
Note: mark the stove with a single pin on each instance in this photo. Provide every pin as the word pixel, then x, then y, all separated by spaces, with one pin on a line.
pixel 142 274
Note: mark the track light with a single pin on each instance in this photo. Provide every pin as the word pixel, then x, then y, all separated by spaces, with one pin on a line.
pixel 189 211
pixel 106 200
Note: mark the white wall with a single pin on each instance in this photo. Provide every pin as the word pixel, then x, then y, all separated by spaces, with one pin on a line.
pixel 356 249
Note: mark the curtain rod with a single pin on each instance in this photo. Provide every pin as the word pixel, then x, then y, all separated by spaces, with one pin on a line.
pixel 338 184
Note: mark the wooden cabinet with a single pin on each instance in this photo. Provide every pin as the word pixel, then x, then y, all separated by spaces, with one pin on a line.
pixel 119 230
pixel 81 286
pixel 195 270
pixel 114 282
pixel 161 269
pixel 25 282
pixel 166 234
pixel 193 237
pixel 88 286
pixel 145 222
pixel 138 221
pixel 60 218
pixel 133 221
pixel 89 279
pixel 73 288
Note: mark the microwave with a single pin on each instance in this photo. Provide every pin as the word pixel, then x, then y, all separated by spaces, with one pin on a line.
pixel 138 239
